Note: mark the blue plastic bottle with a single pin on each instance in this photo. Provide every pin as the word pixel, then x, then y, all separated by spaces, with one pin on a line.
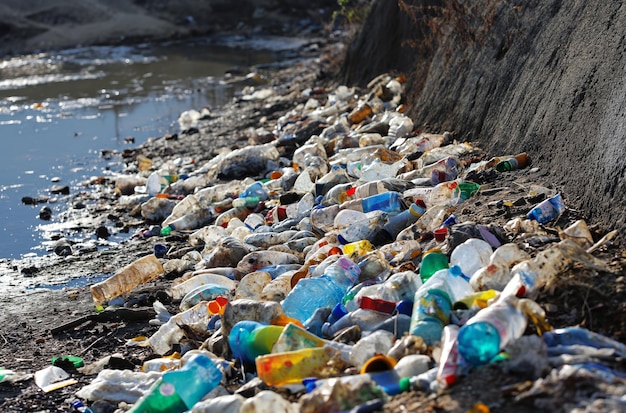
pixel 328 290
pixel 390 202
pixel 179 390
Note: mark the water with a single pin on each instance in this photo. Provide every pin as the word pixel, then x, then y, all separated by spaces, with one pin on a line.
pixel 59 111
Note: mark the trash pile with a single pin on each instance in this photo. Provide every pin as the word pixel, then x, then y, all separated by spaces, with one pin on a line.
pixel 327 269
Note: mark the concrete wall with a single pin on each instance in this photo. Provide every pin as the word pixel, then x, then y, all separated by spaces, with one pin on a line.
pixel 546 77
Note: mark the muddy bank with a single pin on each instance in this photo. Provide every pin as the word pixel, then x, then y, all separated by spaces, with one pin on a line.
pixel 541 77
pixel 27 26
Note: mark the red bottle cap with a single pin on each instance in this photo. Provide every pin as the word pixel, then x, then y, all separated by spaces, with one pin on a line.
pixel 376 304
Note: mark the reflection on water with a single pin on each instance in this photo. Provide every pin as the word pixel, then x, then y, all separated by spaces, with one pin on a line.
pixel 58 111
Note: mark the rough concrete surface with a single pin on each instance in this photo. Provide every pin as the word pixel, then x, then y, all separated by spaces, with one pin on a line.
pixel 545 77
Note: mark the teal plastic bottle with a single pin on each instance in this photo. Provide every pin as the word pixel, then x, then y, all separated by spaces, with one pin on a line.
pixel 177 391
pixel 490 330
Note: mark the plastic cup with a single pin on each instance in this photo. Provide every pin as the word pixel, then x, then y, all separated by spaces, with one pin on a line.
pixel 440 234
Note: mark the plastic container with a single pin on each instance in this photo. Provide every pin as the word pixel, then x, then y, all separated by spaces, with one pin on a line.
pixel 519 161
pixel 354 225
pixel 432 261
pixel 402 220
pixel 327 290
pixel 548 210
pixel 194 219
pixel 449 360
pixel 250 339
pixel 251 196
pixel 490 330
pixel 433 303
pixel 141 271
pixel 471 255
pixel 177 391
pixel 336 175
pixel 390 202
pixel 293 366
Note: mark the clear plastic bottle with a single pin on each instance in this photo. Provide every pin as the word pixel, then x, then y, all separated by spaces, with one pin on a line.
pixel 490 330
pixel 178 390
pixel 354 225
pixel 471 255
pixel 445 193
pixel 238 212
pixel 336 175
pixel 138 272
pixel 309 294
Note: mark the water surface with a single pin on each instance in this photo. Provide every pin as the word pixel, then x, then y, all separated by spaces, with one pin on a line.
pixel 59 110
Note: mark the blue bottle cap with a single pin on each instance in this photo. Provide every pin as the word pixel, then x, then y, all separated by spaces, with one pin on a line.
pixel 405 307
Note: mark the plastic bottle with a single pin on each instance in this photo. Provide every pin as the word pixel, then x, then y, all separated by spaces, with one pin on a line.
pixel 194 219
pixel 445 193
pixel 354 225
pixel 547 210
pixel 432 261
pixel 448 362
pixel 359 113
pixel 293 366
pixel 336 175
pixel 358 248
pixel 433 303
pixel 390 202
pixel 78 406
pixel 141 271
pixel 398 287
pixel 250 339
pixel 490 330
pixel 178 390
pixel 238 212
pixel 251 196
pixel 471 255
pixel 402 220
pixel 516 162
pixel 571 336
pixel 327 290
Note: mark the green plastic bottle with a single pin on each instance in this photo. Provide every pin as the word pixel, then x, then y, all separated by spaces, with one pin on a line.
pixel 432 261
pixel 177 391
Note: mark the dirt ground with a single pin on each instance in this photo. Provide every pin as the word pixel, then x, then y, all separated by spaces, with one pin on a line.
pixel 36 324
